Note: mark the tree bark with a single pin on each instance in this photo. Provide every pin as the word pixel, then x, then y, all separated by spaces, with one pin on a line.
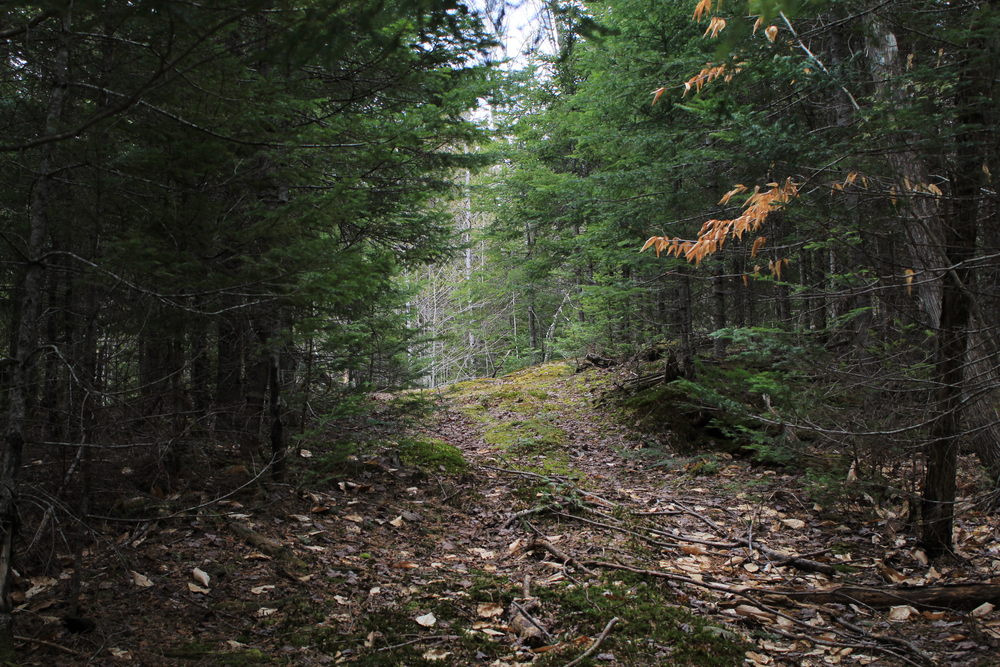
pixel 27 336
pixel 719 301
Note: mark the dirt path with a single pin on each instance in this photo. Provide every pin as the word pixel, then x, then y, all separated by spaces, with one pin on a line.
pixel 374 560
pixel 724 533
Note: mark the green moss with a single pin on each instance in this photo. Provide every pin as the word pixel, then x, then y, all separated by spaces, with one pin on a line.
pixel 653 628
pixel 432 453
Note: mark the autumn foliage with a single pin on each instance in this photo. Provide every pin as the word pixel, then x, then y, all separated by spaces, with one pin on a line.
pixel 714 233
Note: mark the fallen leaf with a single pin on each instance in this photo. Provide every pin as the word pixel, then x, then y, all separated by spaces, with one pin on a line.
pixel 353 518
pixel 795 524
pixel 982 610
pixel 195 588
pixel 121 653
pixel 200 576
pixel 748 611
pixel 341 599
pixel 427 620
pixel 141 580
pixel 489 610
pixel 257 590
pixel 436 654
pixel 397 522
pixel 374 590
pixel 405 565
pixel 901 613
pixel 890 574
pixel 265 611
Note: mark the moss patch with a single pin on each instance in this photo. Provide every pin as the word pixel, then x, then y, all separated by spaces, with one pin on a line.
pixel 432 453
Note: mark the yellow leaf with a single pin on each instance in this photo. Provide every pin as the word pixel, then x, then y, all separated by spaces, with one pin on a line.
pixel 851 177
pixel 909 280
pixel 757 24
pixel 771 31
pixel 651 241
pixel 758 242
pixel 934 190
pixel 656 94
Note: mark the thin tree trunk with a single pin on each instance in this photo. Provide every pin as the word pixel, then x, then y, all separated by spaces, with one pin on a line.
pixel 27 335
pixel 719 316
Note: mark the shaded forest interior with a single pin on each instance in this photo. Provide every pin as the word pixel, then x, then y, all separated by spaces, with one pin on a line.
pixel 225 228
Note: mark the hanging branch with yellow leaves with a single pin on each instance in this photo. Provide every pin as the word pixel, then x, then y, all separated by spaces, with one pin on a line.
pixel 716 24
pixel 714 233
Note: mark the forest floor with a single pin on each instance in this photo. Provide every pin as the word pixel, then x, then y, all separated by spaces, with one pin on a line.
pixel 407 553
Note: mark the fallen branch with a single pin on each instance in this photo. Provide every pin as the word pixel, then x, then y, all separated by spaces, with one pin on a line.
pixel 270 547
pixel 910 646
pixel 435 638
pixel 528 512
pixel 537 543
pixel 956 596
pixel 59 647
pixel 530 631
pixel 593 647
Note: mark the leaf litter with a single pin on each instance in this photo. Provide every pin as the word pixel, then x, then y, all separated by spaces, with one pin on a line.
pixel 388 561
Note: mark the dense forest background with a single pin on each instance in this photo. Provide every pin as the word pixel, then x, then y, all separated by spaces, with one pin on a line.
pixel 222 223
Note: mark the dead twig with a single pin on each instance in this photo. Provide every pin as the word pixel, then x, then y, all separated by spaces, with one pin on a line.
pixel 537 543
pixel 593 647
pixel 528 512
pixel 434 638
pixel 655 543
pixel 898 641
pixel 50 645
pixel 531 619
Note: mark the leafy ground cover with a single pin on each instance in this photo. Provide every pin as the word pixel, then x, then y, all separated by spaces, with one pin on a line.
pixel 417 547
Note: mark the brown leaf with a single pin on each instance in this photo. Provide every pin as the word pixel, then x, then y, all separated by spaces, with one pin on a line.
pixel 489 610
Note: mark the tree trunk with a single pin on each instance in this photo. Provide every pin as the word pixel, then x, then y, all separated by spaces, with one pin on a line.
pixel 957 248
pixel 229 377
pixel 27 334
pixel 719 317
pixel 684 319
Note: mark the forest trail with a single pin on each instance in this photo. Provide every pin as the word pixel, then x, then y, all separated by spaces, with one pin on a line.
pixel 377 561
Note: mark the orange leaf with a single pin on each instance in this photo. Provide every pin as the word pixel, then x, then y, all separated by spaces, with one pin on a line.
pixel 651 241
pixel 909 280
pixel 715 26
pixel 656 95
pixel 771 31
pixel 703 6
pixel 757 24
pixel 758 242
